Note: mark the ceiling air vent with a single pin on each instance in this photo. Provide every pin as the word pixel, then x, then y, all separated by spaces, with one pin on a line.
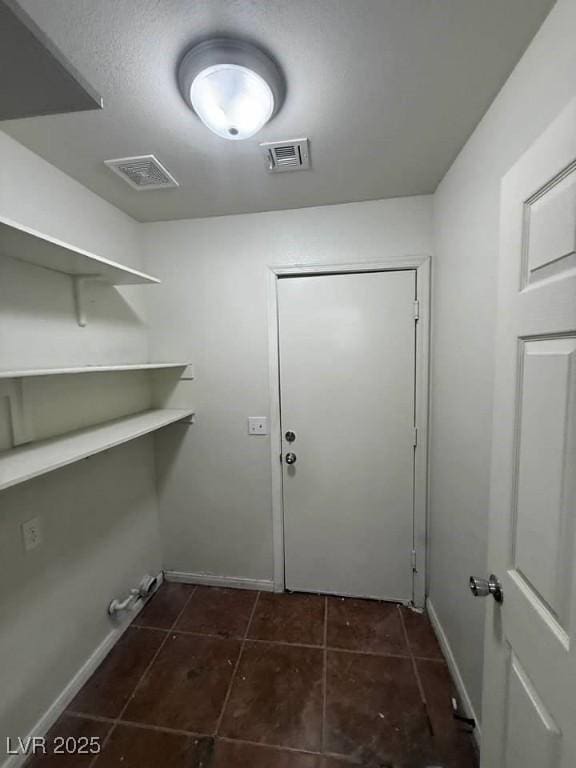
pixel 143 172
pixel 287 155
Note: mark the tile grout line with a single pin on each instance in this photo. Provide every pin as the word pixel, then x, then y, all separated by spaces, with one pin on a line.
pixel 141 726
pixel 417 675
pixel 291 750
pixel 118 719
pixel 236 666
pixel 412 659
pixel 250 639
pixel 370 653
pixel 284 748
pixel 324 678
pixel 198 735
pixel 266 745
pixel 319 646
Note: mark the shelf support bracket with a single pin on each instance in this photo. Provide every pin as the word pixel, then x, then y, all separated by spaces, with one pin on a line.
pixel 78 284
pixel 15 391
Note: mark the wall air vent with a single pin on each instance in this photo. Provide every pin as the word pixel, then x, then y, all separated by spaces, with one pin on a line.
pixel 143 172
pixel 287 155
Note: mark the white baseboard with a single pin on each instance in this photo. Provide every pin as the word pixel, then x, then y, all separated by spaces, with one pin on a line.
pixel 61 702
pixel 210 580
pixel 454 670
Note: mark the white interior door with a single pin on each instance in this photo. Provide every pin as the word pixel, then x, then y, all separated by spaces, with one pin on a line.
pixel 347 367
pixel 529 708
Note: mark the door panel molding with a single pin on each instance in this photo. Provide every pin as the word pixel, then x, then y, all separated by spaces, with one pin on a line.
pixel 532 736
pixel 421 265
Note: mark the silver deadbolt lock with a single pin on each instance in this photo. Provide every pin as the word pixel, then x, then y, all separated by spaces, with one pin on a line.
pixel 484 587
pixel 290 436
pixel 290 458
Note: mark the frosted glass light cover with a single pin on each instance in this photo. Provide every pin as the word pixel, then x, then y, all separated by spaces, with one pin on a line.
pixel 232 101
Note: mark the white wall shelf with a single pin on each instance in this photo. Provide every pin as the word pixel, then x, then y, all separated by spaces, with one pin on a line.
pixel 39 458
pixel 26 244
pixel 24 373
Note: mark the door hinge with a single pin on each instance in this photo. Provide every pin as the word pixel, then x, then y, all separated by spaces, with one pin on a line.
pixel 413 559
pixel 415 437
pixel 416 310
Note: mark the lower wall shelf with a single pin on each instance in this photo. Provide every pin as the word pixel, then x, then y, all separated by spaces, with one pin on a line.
pixel 34 459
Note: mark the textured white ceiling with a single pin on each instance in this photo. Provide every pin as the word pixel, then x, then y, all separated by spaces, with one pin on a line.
pixel 387 91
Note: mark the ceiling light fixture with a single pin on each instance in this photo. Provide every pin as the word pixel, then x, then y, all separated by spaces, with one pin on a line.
pixel 233 87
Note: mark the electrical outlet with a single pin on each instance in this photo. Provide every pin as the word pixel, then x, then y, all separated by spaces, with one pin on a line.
pixel 257 425
pixel 32 534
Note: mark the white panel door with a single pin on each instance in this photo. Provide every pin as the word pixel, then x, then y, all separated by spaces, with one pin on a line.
pixel 529 705
pixel 347 363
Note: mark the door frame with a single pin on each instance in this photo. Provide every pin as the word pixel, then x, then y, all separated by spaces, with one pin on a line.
pixel 421 265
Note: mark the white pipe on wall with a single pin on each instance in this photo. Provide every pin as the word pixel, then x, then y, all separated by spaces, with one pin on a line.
pixel 143 591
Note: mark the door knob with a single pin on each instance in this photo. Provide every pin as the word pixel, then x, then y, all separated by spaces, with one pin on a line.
pixel 290 458
pixel 485 587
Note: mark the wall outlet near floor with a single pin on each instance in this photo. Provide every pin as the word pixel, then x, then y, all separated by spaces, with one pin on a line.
pixel 257 425
pixel 32 534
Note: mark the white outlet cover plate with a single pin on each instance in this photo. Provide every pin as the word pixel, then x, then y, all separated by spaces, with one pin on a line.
pixel 32 534
pixel 257 425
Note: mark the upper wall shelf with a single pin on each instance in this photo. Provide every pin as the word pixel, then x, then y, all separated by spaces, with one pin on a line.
pixel 35 78
pixel 24 373
pixel 21 242
pixel 35 459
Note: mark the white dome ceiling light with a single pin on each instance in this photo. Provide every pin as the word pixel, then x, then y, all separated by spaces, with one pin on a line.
pixel 233 87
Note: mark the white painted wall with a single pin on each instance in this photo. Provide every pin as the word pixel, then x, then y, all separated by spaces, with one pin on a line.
pixel 211 307
pixel 466 208
pixel 99 517
pixel 215 485
pixel 38 327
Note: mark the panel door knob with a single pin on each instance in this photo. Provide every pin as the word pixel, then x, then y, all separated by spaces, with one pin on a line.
pixel 290 458
pixel 484 587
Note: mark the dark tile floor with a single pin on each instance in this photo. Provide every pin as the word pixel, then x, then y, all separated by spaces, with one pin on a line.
pixel 222 678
